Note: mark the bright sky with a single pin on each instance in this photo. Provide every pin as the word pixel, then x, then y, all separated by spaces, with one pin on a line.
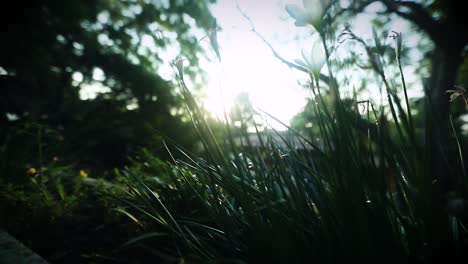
pixel 248 65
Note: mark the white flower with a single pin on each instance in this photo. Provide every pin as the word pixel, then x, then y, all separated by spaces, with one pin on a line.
pixel 315 59
pixel 178 63
pixel 398 40
pixel 312 13
pixel 213 35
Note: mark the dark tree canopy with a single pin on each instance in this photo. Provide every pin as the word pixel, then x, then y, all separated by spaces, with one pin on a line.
pixel 52 48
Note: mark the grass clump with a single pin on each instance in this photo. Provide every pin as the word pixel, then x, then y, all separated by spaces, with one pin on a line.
pixel 363 192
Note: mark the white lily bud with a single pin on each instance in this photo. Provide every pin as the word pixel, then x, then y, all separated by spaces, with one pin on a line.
pixel 312 13
pixel 398 40
pixel 178 63
pixel 314 59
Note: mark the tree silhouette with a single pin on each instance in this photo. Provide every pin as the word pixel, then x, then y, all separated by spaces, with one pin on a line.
pixel 51 49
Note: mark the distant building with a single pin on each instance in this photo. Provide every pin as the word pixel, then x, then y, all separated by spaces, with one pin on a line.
pixel 282 139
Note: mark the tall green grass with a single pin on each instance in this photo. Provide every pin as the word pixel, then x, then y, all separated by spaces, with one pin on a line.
pixel 364 193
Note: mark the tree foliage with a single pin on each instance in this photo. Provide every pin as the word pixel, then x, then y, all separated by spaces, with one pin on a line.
pixel 51 49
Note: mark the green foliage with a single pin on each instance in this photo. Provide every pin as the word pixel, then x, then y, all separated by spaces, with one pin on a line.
pixel 66 217
pixel 53 49
pixel 363 191
pixel 364 194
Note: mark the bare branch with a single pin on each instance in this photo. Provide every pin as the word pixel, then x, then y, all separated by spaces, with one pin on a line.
pixel 275 53
pixel 415 13
pixel 418 15
pixel 323 77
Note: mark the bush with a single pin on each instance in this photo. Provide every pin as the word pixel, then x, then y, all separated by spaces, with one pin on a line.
pixel 65 220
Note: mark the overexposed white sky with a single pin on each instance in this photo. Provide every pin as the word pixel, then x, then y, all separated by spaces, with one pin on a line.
pixel 248 65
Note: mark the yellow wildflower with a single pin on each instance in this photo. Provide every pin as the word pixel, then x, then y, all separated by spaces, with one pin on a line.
pixel 83 174
pixel 55 158
pixel 31 171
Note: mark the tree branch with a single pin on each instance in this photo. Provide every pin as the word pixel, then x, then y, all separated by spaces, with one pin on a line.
pixel 419 16
pixel 415 13
pixel 323 77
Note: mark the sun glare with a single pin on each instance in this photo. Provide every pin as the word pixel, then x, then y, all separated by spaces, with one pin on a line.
pixel 248 65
